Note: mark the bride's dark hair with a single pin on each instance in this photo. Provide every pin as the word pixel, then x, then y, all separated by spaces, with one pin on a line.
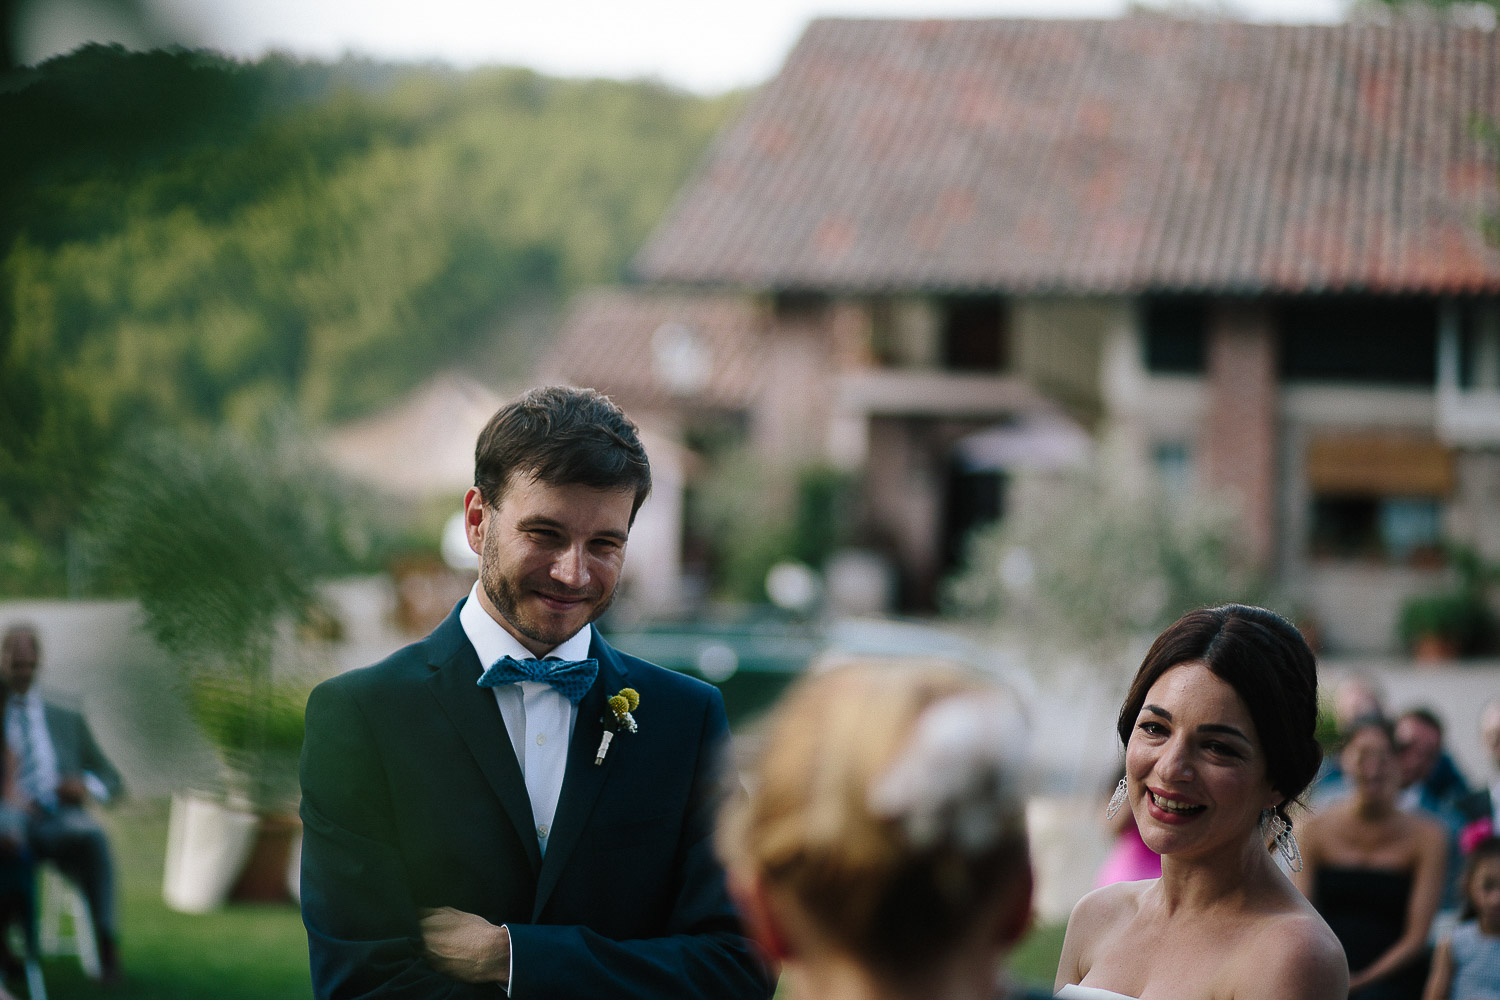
pixel 1270 666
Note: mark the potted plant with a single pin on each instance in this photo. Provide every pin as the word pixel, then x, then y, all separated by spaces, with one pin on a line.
pixel 1455 622
pixel 258 736
pixel 223 539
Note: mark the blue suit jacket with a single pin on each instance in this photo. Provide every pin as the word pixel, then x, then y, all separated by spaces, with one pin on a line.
pixel 412 797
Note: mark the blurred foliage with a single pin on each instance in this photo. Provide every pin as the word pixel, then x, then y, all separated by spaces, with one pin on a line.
pixel 1099 560
pixel 223 539
pixel 186 240
pixel 1326 731
pixel 757 513
pixel 256 731
pixel 1460 616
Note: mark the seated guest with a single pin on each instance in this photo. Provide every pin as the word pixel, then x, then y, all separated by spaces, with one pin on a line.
pixel 60 769
pixel 17 872
pixel 1375 871
pixel 881 851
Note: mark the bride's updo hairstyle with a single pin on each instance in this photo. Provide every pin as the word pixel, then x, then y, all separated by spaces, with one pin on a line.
pixel 1265 659
pixel 885 805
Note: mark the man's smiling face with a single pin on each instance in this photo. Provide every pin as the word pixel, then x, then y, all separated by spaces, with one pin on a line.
pixel 550 556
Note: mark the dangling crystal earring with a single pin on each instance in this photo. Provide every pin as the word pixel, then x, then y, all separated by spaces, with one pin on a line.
pixel 1115 801
pixel 1279 833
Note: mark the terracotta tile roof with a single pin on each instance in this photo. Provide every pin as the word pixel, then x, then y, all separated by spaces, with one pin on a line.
pixel 1102 156
pixel 631 344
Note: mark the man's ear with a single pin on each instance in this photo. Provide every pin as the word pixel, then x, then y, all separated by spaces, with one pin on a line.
pixel 475 519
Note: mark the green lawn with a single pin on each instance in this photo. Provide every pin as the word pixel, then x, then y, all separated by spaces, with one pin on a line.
pixel 255 952
pixel 1035 961
pixel 243 952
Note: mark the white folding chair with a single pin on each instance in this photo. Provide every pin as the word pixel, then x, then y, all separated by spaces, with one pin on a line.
pixel 62 903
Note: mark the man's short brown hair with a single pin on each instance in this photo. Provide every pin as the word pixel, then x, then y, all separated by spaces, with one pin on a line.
pixel 562 436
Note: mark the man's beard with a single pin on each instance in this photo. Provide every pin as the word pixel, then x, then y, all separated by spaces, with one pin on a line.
pixel 506 598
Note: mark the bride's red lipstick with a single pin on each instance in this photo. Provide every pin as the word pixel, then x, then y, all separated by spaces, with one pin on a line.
pixel 1166 815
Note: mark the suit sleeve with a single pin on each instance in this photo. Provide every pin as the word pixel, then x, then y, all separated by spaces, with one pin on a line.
pixel 362 934
pixel 92 760
pixel 704 954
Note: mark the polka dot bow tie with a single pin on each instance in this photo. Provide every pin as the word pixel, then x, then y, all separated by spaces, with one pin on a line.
pixel 570 678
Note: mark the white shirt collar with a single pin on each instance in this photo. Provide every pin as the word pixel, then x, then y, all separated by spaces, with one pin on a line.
pixel 491 641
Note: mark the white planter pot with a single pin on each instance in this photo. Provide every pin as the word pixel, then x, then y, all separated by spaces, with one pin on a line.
pixel 207 844
pixel 294 871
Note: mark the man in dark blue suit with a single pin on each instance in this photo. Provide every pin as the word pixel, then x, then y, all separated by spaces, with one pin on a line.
pixel 484 812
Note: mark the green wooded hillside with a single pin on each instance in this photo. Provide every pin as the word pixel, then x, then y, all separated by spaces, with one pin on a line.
pixel 189 240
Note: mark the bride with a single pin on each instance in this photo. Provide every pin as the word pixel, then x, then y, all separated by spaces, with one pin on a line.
pixel 1218 735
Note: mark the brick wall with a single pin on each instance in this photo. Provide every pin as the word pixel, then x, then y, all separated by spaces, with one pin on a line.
pixel 1239 427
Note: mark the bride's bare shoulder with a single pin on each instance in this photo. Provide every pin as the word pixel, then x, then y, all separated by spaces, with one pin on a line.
pixel 1119 899
pixel 1294 956
pixel 1107 907
pixel 1095 918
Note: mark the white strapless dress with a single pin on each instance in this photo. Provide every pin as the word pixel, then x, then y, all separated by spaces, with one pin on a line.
pixel 1073 991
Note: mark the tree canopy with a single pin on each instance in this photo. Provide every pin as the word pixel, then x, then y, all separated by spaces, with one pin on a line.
pixel 187 240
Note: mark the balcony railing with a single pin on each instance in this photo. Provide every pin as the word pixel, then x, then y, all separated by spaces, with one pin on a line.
pixel 935 393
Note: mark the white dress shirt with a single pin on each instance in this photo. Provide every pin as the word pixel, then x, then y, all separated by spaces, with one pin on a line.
pixel 27 736
pixel 538 719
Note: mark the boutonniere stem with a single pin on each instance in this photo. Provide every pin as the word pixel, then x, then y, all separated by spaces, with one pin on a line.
pixel 618 720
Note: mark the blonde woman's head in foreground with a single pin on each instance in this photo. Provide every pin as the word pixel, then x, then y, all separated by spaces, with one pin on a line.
pixel 884 823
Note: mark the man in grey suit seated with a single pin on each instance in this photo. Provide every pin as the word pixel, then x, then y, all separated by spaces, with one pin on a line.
pixel 59 768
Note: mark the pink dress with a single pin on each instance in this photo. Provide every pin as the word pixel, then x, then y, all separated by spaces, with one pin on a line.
pixel 1130 860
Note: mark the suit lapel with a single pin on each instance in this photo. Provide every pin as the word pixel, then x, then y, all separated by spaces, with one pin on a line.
pixel 473 712
pixel 583 779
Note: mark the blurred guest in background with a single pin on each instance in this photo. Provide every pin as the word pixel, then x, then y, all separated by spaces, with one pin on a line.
pixel 1429 778
pixel 1218 730
pixel 881 851
pixel 1483 805
pixel 59 771
pixel 1432 783
pixel 17 869
pixel 1375 871
pixel 1466 965
pixel 1355 697
pixel 1129 859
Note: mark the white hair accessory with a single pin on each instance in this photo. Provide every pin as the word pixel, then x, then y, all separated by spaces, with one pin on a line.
pixel 960 777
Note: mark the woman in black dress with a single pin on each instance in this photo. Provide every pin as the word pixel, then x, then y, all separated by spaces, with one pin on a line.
pixel 1375 872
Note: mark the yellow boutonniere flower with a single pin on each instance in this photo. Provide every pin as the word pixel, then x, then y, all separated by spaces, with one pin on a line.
pixel 619 719
pixel 621 705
